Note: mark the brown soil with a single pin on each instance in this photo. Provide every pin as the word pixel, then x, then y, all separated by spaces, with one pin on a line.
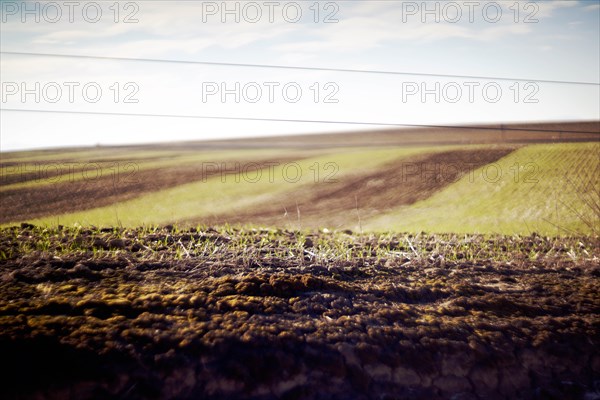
pixel 277 314
pixel 502 134
pixel 51 169
pixel 342 203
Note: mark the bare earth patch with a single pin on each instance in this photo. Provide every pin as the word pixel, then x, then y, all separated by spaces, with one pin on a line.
pixel 71 196
pixel 367 194
pixel 251 314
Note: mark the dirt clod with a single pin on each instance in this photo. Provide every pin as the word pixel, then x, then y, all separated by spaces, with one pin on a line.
pixel 239 321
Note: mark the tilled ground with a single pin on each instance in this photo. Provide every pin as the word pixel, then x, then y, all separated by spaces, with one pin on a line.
pixel 250 314
pixel 401 182
pixel 85 194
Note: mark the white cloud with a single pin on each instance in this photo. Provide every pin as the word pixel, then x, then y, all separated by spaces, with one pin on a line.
pixel 547 8
pixel 498 32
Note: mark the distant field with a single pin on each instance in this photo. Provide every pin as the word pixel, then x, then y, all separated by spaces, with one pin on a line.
pixel 472 181
pixel 549 188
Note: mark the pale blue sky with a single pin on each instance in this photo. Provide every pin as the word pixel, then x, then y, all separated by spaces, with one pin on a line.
pixel 561 43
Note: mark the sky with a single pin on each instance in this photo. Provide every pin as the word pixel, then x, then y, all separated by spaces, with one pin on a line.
pixel 457 62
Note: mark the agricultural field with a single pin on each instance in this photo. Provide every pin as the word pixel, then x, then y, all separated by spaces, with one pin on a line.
pixel 384 265
pixel 516 186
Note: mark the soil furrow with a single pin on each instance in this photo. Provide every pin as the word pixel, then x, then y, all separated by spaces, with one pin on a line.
pixel 337 204
pixel 109 188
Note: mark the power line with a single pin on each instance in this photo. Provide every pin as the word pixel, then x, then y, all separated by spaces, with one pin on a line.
pixel 290 67
pixel 216 117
